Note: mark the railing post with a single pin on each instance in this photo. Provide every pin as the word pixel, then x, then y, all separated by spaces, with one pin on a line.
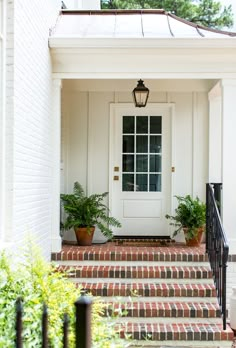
pixel 19 325
pixel 45 327
pixel 207 217
pixel 217 194
pixel 224 268
pixel 217 245
pixel 83 322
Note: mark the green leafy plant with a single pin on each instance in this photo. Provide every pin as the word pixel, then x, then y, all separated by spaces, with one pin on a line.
pixel 87 211
pixel 36 282
pixel 190 214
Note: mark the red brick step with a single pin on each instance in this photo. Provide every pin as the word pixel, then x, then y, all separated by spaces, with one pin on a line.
pixel 112 252
pixel 136 272
pixel 176 332
pixel 169 301
pixel 163 309
pixel 149 289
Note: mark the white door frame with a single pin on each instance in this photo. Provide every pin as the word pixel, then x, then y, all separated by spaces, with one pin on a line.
pixel 124 106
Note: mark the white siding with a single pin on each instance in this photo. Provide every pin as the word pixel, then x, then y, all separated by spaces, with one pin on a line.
pixel 29 126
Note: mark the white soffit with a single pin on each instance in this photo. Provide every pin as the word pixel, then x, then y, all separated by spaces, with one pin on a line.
pixel 128 24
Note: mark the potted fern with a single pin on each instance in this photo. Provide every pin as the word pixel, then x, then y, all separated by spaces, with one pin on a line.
pixel 83 213
pixel 191 217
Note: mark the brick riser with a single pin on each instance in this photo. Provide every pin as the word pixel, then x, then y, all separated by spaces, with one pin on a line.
pixel 162 309
pixel 166 310
pixel 135 272
pixel 149 290
pixel 176 332
pixel 110 252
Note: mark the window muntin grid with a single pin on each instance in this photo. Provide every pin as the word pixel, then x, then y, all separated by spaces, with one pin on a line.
pixel 142 153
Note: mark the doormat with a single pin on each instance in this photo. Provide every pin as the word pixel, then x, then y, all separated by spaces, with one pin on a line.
pixel 142 242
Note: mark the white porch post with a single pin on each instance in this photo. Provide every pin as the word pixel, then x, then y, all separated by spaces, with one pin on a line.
pixel 215 131
pixel 56 148
pixel 228 160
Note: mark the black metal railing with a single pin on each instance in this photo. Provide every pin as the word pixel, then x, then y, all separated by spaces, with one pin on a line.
pixel 216 244
pixel 82 325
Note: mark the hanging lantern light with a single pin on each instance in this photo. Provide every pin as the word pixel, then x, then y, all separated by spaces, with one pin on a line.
pixel 140 94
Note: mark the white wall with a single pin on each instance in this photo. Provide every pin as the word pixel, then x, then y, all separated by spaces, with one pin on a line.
pixel 85 122
pixel 6 120
pixel 29 128
pixel 2 105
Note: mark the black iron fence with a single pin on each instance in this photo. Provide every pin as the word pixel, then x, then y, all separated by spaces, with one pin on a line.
pixel 82 325
pixel 216 243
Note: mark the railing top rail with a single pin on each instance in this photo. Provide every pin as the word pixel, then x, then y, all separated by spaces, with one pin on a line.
pixel 224 238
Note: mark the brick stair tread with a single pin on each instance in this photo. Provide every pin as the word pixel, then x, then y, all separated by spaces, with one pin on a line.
pixel 148 289
pixel 163 309
pixel 113 271
pixel 112 252
pixel 175 331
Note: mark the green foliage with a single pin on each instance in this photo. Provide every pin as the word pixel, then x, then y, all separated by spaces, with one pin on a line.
pixel 190 213
pixel 36 281
pixel 209 13
pixel 87 211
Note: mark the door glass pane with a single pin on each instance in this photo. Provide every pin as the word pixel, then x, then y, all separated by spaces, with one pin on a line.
pixel 128 182
pixel 155 163
pixel 128 163
pixel 155 182
pixel 141 163
pixel 142 125
pixel 141 153
pixel 155 143
pixel 155 124
pixel 141 182
pixel 128 143
pixel 128 124
pixel 142 143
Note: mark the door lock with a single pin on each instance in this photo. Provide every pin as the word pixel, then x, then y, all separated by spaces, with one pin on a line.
pixel 116 177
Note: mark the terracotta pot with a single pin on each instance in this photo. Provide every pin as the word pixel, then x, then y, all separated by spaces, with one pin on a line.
pixel 196 241
pixel 83 237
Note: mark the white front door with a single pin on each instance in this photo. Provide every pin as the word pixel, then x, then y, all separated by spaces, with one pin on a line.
pixel 140 168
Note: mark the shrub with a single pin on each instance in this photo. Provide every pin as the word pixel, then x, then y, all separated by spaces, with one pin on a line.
pixel 38 282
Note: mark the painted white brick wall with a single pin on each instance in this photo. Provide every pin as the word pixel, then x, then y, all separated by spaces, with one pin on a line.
pixel 33 128
pixel 6 177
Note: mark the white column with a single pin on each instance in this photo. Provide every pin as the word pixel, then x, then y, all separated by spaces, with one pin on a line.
pixel 228 160
pixel 56 148
pixel 215 131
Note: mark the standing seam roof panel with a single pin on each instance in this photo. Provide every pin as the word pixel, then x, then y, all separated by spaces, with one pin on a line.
pixel 130 24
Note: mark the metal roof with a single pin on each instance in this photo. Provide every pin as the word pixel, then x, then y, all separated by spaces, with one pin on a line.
pixel 129 24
